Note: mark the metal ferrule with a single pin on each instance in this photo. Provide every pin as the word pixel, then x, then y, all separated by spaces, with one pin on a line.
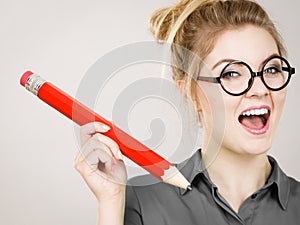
pixel 34 83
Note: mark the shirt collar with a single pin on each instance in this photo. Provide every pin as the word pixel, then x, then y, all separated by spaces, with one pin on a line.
pixel 281 181
pixel 190 168
pixel 193 166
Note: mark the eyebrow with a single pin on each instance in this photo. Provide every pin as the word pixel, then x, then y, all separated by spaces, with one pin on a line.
pixel 228 60
pixel 223 61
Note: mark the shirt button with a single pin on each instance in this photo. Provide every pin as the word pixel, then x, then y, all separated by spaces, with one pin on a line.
pixel 253 196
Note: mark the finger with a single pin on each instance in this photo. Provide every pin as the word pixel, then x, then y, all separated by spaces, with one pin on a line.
pixel 79 163
pixel 91 154
pixel 88 130
pixel 106 167
pixel 92 144
pixel 88 171
pixel 96 160
pixel 100 160
pixel 111 144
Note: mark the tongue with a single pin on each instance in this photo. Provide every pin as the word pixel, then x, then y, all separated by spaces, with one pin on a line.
pixel 252 122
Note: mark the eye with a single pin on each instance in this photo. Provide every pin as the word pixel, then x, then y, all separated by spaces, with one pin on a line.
pixel 272 70
pixel 230 75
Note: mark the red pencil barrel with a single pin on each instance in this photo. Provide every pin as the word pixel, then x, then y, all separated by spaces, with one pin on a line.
pixel 81 115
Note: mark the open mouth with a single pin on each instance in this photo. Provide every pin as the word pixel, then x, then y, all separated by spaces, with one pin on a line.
pixel 255 120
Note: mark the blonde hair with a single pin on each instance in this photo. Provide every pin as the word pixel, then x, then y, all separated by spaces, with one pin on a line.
pixel 194 25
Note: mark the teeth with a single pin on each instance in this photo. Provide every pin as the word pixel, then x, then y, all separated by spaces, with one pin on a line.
pixel 256 112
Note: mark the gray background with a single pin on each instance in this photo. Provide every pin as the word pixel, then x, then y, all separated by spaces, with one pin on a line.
pixel 61 39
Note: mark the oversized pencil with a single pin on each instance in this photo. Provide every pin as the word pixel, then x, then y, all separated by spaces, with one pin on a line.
pixel 80 114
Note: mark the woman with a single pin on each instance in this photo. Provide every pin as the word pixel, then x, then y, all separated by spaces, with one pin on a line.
pixel 242 58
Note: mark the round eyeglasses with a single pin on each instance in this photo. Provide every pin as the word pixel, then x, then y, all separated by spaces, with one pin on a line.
pixel 237 77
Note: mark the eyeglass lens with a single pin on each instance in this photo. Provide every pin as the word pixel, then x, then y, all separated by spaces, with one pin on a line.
pixel 236 77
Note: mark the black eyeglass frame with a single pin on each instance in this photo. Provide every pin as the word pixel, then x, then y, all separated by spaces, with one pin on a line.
pixel 291 70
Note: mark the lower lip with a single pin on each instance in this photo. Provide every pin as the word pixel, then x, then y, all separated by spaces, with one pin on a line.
pixel 258 132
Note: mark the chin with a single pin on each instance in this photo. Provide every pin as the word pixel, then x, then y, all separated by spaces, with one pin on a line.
pixel 256 148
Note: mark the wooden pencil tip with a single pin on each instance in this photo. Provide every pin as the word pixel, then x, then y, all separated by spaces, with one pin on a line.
pixel 174 177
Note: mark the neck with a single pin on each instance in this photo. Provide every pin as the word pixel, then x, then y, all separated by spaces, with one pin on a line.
pixel 237 176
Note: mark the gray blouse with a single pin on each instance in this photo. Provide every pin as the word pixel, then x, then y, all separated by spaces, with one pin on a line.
pixel 278 202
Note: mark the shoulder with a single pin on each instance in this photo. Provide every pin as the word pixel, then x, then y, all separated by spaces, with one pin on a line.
pixel 294 187
pixel 147 189
pixel 288 186
pixel 146 199
pixel 293 200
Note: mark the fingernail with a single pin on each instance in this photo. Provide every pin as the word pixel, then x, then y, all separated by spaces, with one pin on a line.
pixel 120 155
pixel 105 127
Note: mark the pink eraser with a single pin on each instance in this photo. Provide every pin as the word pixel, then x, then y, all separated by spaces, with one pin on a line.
pixel 25 77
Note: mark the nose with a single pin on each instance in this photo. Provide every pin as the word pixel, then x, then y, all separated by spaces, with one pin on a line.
pixel 258 89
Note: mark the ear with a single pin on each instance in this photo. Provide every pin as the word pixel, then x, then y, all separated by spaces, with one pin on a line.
pixel 181 84
pixel 182 87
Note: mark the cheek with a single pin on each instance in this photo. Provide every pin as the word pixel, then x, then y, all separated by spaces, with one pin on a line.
pixel 278 99
pixel 213 109
pixel 204 108
pixel 232 105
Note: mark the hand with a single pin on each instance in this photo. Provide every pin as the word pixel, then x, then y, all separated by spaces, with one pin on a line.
pixel 100 163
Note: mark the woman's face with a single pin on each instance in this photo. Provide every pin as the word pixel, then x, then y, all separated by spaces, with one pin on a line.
pixel 250 135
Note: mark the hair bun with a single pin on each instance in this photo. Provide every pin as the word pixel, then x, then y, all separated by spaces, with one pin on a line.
pixel 163 20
